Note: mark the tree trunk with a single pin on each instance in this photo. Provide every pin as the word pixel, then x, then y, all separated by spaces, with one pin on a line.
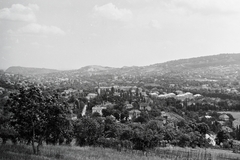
pixel 33 137
pixel 33 146
pixel 39 144
pixel 38 151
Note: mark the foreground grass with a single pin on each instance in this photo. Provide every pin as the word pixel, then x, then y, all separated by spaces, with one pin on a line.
pixel 23 152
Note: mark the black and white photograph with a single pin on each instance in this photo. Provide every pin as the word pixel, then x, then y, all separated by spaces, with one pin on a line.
pixel 119 79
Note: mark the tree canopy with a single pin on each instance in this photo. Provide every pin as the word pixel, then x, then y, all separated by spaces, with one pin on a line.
pixel 37 116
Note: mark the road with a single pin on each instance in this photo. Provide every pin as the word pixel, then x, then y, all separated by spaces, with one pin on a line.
pixel 84 110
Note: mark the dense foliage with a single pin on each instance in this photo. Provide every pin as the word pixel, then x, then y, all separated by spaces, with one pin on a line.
pixel 37 115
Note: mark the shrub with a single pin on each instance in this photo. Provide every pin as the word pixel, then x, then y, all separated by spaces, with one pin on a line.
pixel 184 140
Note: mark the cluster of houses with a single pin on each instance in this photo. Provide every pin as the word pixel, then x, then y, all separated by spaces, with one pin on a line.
pixel 117 89
pixel 133 112
pixel 223 120
pixel 179 95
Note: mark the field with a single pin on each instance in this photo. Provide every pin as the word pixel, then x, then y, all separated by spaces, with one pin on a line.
pixel 235 115
pixel 23 152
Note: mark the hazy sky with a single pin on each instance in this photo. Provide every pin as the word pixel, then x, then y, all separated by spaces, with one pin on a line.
pixel 69 34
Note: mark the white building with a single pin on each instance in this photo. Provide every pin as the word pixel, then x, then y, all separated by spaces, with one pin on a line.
pixel 98 109
pixel 134 113
pixel 211 138
pixel 91 95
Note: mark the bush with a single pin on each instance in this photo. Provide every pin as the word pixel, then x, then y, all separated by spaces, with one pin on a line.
pixel 226 145
pixel 184 140
pixel 87 131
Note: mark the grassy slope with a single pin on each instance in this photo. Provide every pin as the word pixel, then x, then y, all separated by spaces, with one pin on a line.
pixel 9 152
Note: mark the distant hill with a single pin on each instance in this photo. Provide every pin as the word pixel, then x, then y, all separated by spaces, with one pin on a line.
pixel 230 61
pixel 202 62
pixel 215 67
pixel 29 71
pixel 95 68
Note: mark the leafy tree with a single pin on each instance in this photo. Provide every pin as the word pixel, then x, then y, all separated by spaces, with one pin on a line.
pixel 222 136
pixel 145 115
pixel 169 135
pixel 72 99
pixel 127 134
pixel 140 119
pixel 135 105
pixel 237 133
pixel 6 130
pixel 106 112
pixel 112 90
pixel 184 140
pixel 154 113
pixel 96 114
pixel 155 125
pixel 58 127
pixel 87 131
pixel 197 139
pixel 138 138
pixel 34 114
pixel 203 128
pixel 116 115
pixel 182 123
pixel 216 126
pixel 110 130
pixel 124 116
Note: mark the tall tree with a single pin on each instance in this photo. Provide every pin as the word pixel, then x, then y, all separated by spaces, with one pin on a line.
pixel 34 114
pixel 87 131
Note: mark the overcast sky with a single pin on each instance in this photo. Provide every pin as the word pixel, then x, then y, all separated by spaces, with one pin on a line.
pixel 69 34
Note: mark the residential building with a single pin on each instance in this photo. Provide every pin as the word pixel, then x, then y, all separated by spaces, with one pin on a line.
pixel 134 113
pixel 224 117
pixel 98 109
